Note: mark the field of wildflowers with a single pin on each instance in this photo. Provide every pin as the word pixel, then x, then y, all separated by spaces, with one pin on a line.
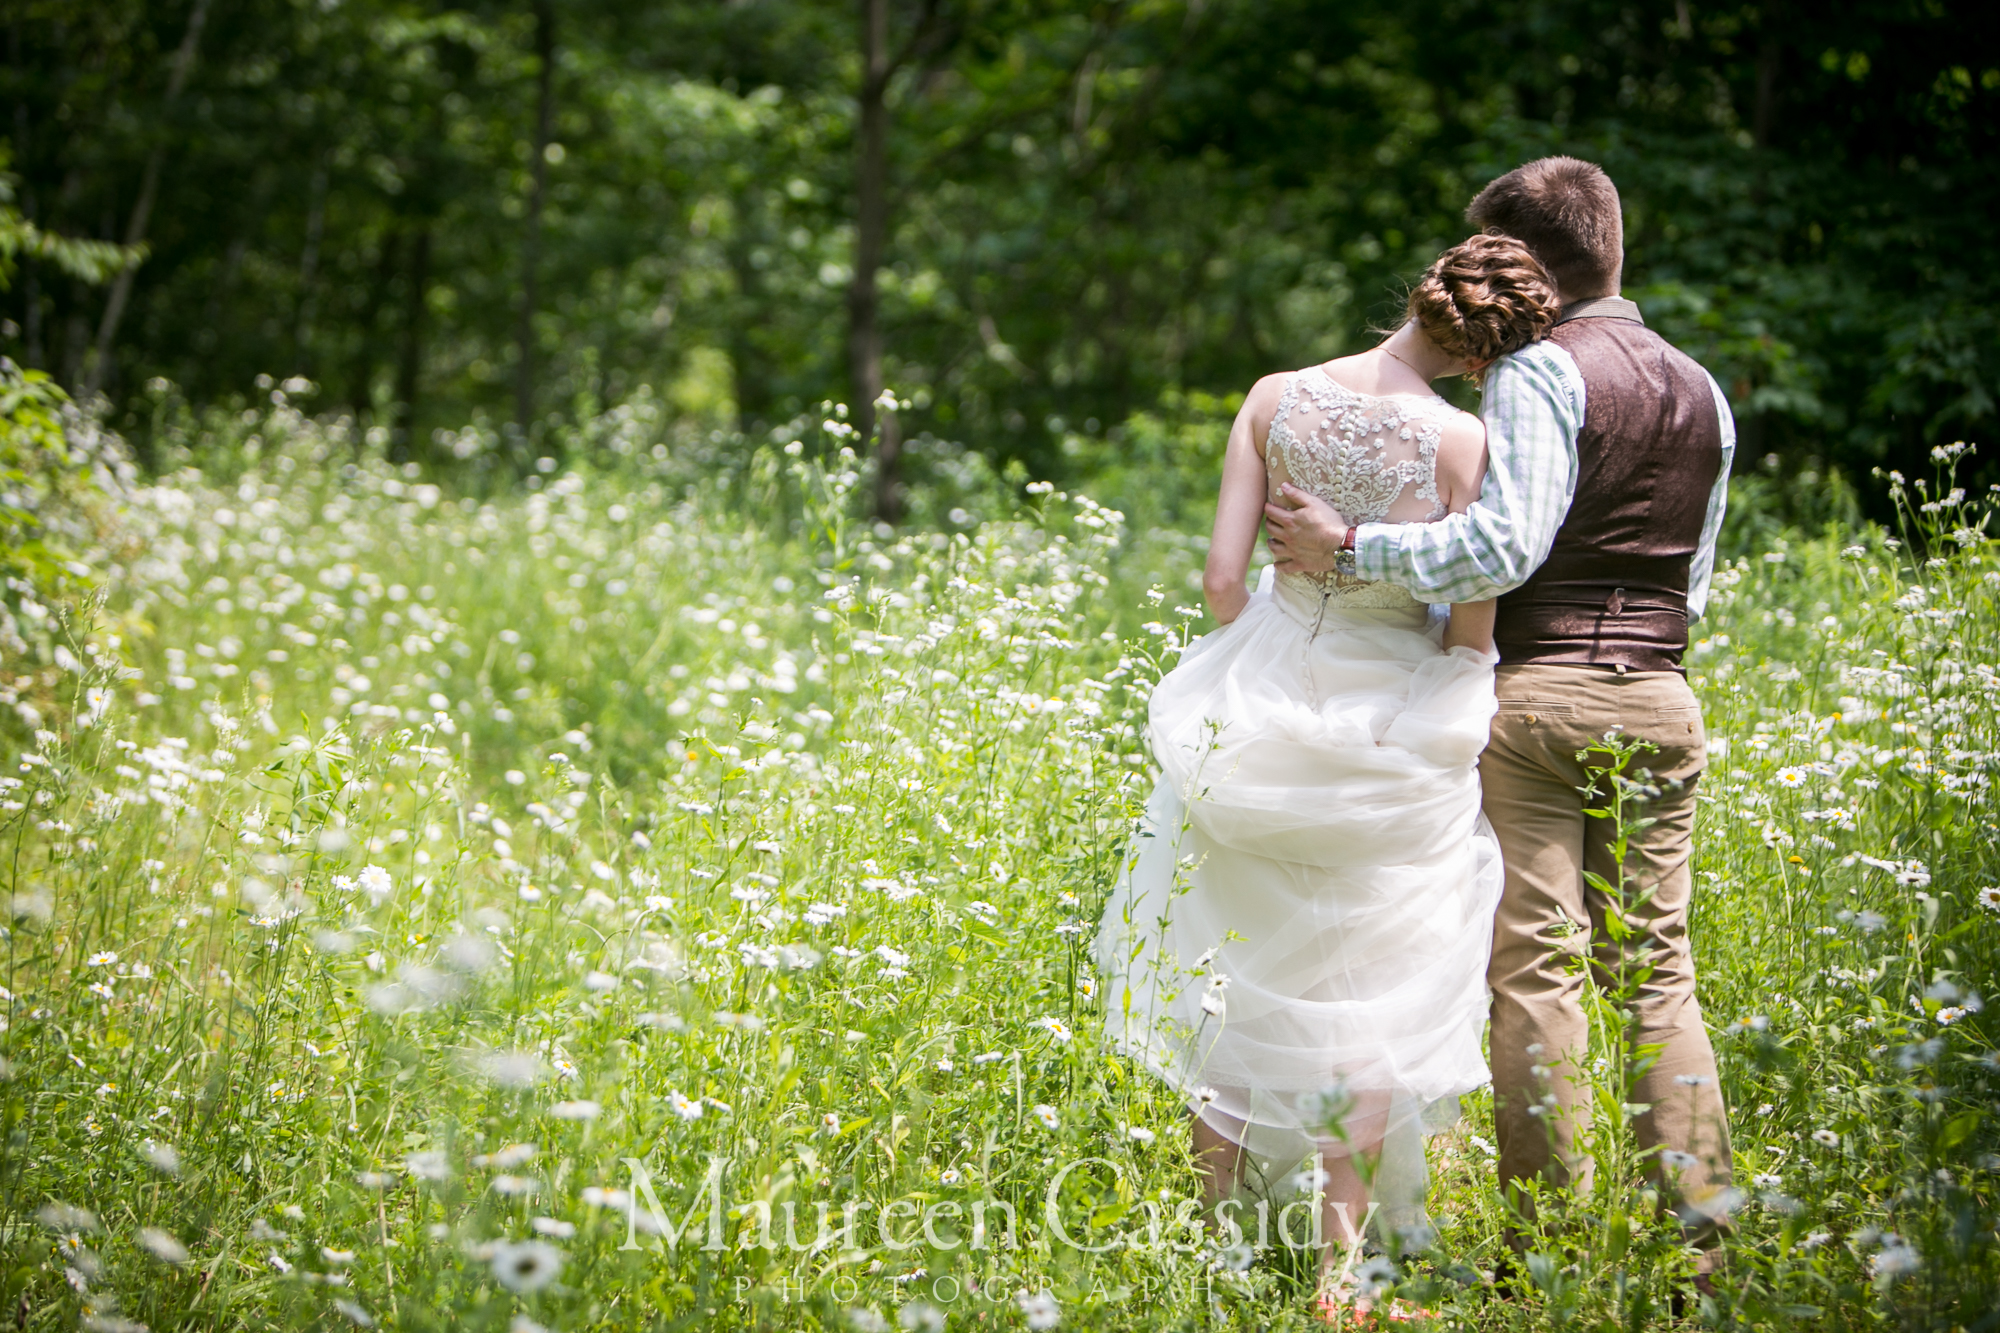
pixel 640 901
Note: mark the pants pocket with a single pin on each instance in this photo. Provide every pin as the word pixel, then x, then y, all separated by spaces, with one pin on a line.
pixel 1679 723
pixel 1532 711
pixel 1683 745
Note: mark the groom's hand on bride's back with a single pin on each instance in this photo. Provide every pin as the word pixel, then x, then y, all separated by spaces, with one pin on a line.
pixel 1303 531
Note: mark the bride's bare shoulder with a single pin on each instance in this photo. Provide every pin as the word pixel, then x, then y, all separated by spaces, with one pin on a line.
pixel 1262 400
pixel 1462 431
pixel 1461 458
pixel 1260 405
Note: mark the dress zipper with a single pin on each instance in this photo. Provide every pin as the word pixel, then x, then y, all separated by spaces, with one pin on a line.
pixel 1325 595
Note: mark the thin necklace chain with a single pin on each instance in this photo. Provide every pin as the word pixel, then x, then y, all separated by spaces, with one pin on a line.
pixel 1386 352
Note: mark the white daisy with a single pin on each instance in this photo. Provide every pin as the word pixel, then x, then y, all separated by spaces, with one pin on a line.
pixel 524 1266
pixel 162 1245
pixel 1040 1310
pixel 375 881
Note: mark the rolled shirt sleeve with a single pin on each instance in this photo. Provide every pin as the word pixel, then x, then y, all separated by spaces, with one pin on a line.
pixel 1533 410
pixel 1703 567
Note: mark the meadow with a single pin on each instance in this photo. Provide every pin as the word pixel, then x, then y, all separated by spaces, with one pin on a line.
pixel 654 897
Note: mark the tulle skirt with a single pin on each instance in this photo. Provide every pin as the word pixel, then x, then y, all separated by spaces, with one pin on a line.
pixel 1298 943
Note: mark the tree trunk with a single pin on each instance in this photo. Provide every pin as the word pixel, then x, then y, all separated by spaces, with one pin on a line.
pixel 31 278
pixel 1771 21
pixel 531 242
pixel 752 368
pixel 1751 425
pixel 142 208
pixel 361 378
pixel 75 345
pixel 402 442
pixel 871 225
pixel 308 308
pixel 31 311
pixel 209 333
pixel 1767 80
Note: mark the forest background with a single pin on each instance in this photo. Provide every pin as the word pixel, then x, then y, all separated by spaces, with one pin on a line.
pixel 505 341
pixel 1083 215
pixel 1062 231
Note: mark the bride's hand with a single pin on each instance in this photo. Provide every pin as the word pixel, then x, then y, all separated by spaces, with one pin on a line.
pixel 1305 537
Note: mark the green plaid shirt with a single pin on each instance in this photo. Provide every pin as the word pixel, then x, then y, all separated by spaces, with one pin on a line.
pixel 1533 410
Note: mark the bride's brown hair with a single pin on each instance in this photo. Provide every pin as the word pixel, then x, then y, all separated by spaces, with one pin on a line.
pixel 1483 298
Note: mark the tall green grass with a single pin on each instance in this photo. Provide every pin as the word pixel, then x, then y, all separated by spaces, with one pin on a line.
pixel 392 869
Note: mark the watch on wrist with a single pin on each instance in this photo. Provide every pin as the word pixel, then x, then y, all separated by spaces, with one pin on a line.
pixel 1343 559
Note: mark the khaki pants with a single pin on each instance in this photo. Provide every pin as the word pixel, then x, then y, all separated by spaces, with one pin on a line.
pixel 1531 775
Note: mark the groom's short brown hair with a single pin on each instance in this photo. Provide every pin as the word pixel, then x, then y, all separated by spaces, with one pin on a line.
pixel 1566 211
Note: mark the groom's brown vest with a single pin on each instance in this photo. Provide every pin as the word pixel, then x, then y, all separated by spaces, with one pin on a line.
pixel 1613 592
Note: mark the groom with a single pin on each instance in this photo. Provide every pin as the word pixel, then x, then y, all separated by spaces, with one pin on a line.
pixel 1595 529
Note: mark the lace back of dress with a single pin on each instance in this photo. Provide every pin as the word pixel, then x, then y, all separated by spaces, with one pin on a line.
pixel 1373 458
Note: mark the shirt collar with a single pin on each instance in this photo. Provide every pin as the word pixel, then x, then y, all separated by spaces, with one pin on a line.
pixel 1602 307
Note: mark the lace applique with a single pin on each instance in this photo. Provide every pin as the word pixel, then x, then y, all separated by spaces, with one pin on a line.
pixel 1343 459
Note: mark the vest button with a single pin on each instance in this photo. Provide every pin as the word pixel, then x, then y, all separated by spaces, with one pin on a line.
pixel 1531 719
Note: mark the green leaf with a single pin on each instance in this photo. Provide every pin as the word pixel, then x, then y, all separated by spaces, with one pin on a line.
pixel 1617 1236
pixel 980 930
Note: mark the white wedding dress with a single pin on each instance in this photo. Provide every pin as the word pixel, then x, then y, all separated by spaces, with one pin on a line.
pixel 1307 907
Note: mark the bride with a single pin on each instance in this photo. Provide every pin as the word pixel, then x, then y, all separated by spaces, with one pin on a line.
pixel 1298 944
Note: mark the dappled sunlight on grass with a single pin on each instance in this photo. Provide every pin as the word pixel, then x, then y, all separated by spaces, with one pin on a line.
pixel 409 890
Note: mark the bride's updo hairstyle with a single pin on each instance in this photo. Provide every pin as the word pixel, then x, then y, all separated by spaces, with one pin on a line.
pixel 1483 298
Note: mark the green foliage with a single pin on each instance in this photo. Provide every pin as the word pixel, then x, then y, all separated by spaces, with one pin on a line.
pixel 61 484
pixel 613 740
pixel 1093 209
pixel 1160 466
pixel 87 261
pixel 1769 503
